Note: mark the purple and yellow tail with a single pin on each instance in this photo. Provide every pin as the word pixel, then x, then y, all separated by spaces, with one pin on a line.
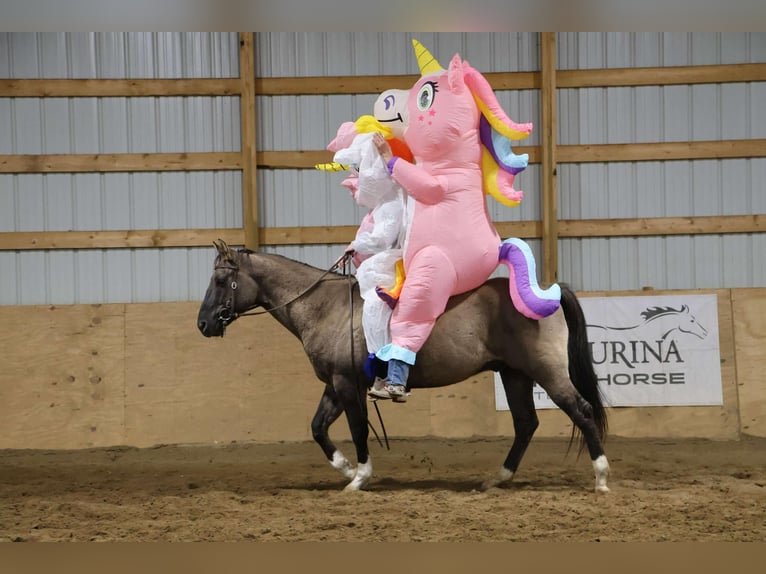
pixel 527 296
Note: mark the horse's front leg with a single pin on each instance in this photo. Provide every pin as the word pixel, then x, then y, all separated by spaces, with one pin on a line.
pixel 328 411
pixel 352 398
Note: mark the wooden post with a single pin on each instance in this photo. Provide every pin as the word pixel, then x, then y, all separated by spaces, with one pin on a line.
pixel 550 188
pixel 247 119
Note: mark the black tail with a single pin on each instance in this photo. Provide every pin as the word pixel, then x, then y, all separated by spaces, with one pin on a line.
pixel 580 364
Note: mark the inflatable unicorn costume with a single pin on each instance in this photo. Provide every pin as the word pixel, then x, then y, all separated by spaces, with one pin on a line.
pixel 460 138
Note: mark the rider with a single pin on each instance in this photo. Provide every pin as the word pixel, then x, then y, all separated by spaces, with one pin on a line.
pixel 376 249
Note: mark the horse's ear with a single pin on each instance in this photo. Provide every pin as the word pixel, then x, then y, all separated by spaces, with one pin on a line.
pixel 224 250
pixel 455 75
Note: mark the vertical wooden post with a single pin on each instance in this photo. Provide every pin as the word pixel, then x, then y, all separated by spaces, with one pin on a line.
pixel 247 120
pixel 550 187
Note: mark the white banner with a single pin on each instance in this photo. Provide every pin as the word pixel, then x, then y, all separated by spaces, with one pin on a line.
pixel 649 351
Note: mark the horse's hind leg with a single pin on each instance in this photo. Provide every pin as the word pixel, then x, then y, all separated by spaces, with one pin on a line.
pixel 568 399
pixel 518 391
pixel 328 411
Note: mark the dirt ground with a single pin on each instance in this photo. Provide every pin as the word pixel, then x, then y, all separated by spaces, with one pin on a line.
pixel 422 490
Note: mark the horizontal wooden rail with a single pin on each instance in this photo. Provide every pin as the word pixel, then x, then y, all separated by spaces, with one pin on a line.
pixel 342 234
pixel 664 151
pixel 120 162
pixel 334 85
pixel 661 226
pixel 338 85
pixel 595 153
pixel 74 88
pixel 661 76
pixel 309 158
pixel 204 161
pixel 26 240
pixel 609 77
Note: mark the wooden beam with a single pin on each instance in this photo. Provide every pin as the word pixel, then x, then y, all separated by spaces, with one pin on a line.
pixel 330 85
pixel 520 229
pixel 247 118
pixel 596 153
pixel 111 162
pixel 335 85
pixel 550 188
pixel 27 240
pixel 342 234
pixel 662 151
pixel 203 161
pixel 307 159
pixel 315 235
pixel 661 76
pixel 77 88
pixel 663 226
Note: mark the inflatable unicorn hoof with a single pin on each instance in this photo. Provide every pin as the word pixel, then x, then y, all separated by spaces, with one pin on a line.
pixel 387 296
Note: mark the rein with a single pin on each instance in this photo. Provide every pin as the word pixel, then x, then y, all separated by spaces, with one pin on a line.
pixel 227 315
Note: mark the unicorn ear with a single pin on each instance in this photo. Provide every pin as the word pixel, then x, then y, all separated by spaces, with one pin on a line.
pixel 455 75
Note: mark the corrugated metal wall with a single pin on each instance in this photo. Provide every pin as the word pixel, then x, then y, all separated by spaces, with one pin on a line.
pixel 60 202
pixel 307 198
pixel 657 189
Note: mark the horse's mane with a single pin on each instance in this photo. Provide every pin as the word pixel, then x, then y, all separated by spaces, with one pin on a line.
pixel 653 312
pixel 246 251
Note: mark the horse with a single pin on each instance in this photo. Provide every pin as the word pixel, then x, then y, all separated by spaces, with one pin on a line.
pixel 480 330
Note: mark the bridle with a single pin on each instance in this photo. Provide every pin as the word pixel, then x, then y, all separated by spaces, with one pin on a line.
pixel 228 314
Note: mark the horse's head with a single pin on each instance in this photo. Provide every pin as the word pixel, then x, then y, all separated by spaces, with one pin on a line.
pixel 230 292
pixel 687 323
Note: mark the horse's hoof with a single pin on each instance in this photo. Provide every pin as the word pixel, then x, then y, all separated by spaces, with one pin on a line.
pixel 503 475
pixel 602 489
pixel 341 464
pixel 356 485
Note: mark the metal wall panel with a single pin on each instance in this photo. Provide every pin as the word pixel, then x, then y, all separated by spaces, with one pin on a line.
pixel 56 202
pixel 661 189
pixel 308 198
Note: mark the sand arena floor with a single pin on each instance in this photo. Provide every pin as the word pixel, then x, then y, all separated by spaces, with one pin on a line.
pixel 422 490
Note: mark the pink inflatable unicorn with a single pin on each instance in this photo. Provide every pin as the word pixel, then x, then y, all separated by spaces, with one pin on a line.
pixel 452 245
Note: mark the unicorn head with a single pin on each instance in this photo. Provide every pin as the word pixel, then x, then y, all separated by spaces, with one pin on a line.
pixel 390 109
pixel 446 107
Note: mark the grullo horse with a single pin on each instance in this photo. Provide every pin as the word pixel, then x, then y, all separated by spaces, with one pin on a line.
pixel 479 331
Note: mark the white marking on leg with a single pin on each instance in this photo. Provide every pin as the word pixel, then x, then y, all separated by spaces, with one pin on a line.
pixel 502 476
pixel 341 463
pixel 601 469
pixel 363 475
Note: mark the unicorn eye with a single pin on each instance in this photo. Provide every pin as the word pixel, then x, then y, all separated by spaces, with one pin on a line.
pixel 389 101
pixel 426 96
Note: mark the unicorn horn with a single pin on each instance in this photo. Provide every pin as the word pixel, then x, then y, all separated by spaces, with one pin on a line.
pixel 427 63
pixel 332 166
